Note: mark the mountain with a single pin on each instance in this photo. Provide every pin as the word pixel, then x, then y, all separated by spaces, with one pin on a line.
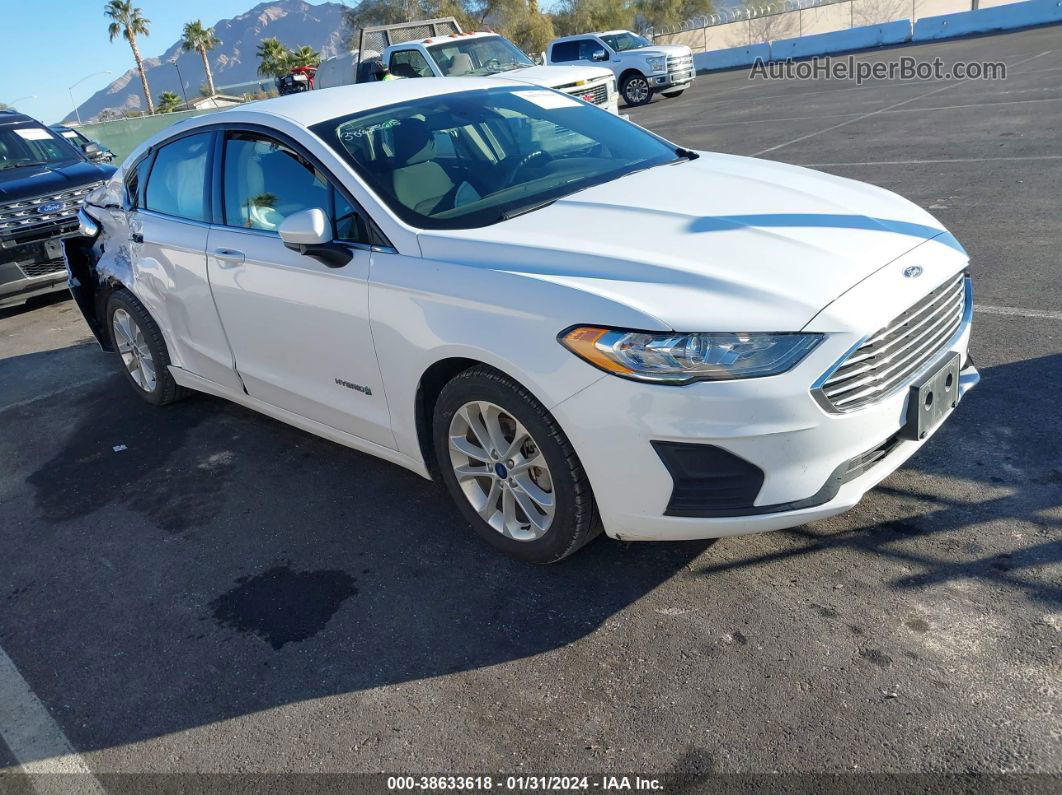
pixel 293 22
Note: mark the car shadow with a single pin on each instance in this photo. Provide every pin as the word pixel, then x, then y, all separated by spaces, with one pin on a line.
pixel 201 562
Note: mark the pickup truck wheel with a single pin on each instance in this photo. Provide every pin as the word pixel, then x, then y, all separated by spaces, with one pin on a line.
pixel 673 94
pixel 635 90
pixel 142 350
pixel 511 470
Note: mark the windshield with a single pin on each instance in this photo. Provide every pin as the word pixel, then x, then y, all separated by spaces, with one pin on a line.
pixel 32 145
pixel 486 55
pixel 473 158
pixel 624 41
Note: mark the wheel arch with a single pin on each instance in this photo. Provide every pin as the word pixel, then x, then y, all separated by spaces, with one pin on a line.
pixel 629 72
pixel 431 384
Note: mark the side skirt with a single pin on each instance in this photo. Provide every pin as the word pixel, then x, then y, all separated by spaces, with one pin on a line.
pixel 192 381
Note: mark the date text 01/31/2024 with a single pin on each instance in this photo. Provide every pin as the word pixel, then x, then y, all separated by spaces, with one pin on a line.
pixel 523 783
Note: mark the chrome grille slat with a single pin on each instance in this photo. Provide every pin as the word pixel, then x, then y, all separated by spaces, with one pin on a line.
pixel 893 355
pixel 599 92
pixel 21 216
pixel 874 360
pixel 925 305
pixel 898 373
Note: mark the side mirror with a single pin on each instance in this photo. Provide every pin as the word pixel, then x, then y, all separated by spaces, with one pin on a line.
pixel 91 149
pixel 599 55
pixel 310 233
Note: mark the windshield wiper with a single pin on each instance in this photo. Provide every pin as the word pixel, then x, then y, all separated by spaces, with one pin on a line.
pixel 25 164
pixel 527 208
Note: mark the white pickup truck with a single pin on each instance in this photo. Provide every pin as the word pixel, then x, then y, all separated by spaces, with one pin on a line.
pixel 438 48
pixel 640 67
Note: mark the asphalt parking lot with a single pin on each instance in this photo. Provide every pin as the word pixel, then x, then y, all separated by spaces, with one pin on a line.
pixel 229 594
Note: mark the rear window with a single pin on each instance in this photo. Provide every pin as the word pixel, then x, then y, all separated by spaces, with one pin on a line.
pixel 565 51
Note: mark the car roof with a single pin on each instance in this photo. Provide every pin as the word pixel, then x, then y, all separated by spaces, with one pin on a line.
pixel 310 107
pixel 14 117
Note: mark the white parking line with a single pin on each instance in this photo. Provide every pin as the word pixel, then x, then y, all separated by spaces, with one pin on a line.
pixel 1050 314
pixel 928 162
pixel 878 112
pixel 36 740
pixel 899 110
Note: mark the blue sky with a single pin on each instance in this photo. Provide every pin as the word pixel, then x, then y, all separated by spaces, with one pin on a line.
pixel 46 45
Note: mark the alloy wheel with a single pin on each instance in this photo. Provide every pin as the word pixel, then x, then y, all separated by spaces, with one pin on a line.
pixel 133 348
pixel 502 471
pixel 636 91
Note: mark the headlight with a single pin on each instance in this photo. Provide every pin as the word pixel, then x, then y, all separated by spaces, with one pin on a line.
pixel 657 63
pixel 674 358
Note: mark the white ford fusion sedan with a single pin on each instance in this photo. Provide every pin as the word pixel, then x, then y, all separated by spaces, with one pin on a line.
pixel 570 322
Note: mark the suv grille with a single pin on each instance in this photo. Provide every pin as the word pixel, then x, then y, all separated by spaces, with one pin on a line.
pixel 34 269
pixel 595 95
pixel 888 359
pixel 679 63
pixel 24 217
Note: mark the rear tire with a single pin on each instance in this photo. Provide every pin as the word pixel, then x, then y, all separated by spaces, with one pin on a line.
pixel 526 495
pixel 673 94
pixel 141 350
pixel 635 90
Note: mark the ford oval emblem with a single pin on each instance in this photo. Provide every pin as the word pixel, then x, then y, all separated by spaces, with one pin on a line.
pixel 912 271
pixel 50 207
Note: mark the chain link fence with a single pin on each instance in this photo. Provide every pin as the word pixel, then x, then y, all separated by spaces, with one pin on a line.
pixel 756 23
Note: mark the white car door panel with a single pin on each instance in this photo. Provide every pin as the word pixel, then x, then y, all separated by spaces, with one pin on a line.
pixel 300 330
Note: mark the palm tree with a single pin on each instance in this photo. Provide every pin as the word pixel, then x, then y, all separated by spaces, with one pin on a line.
pixel 196 37
pixel 305 56
pixel 168 102
pixel 275 58
pixel 130 22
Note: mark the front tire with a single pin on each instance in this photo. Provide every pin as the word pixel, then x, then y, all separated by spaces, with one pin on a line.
pixel 511 470
pixel 673 94
pixel 636 90
pixel 141 349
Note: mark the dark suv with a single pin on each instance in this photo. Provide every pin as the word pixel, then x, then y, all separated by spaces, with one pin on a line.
pixel 43 180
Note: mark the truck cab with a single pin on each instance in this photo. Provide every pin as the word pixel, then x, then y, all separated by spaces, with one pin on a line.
pixel 439 48
pixel 640 67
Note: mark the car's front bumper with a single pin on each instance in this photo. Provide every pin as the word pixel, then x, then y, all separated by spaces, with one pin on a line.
pixel 30 269
pixel 808 463
pixel 672 80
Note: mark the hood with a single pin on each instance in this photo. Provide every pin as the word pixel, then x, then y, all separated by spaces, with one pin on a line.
pixel 656 49
pixel 33 181
pixel 553 76
pixel 719 243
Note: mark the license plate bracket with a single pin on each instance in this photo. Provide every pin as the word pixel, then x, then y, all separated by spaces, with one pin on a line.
pixel 53 248
pixel 932 397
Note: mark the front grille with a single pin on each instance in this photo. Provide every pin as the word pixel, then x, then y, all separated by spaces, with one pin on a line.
pixel 679 63
pixel 34 269
pixel 595 95
pixel 891 357
pixel 22 218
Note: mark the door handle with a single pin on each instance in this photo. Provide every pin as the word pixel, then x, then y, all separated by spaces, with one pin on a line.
pixel 228 257
pixel 137 237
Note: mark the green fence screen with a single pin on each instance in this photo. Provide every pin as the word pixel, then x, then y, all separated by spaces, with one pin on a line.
pixel 122 136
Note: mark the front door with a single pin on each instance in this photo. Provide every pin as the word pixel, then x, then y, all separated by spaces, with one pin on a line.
pixel 298 328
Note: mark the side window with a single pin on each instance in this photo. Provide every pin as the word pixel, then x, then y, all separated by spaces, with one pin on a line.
pixel 265 182
pixel 587 48
pixel 176 185
pixel 565 51
pixel 409 63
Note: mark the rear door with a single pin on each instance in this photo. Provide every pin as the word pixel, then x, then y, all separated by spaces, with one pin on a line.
pixel 298 328
pixel 168 211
